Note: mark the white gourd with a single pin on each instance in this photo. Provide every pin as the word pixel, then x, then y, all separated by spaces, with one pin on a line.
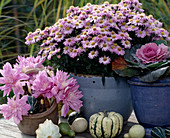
pixel 48 130
pixel 79 125
pixel 137 131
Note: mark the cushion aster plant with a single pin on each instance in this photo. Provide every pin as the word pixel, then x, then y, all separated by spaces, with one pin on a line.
pixel 91 37
pixel 35 87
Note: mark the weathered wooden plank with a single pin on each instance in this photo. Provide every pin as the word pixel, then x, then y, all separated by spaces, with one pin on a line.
pixel 8 129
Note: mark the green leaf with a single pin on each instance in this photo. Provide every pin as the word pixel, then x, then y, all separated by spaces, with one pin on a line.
pixel 160 42
pixel 103 79
pixel 158 132
pixel 128 72
pixel 154 75
pixel 159 64
pixel 129 53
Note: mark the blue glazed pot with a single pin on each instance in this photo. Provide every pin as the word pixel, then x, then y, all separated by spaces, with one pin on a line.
pixel 151 102
pixel 113 96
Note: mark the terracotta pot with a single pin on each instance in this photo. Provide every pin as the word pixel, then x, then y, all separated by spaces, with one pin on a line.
pixel 30 123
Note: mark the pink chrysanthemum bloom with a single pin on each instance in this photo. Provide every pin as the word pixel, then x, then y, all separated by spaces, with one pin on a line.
pixel 15 108
pixel 11 78
pixel 42 85
pixel 26 63
pixel 104 60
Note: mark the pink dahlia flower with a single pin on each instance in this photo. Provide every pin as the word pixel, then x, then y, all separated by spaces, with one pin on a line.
pixel 150 53
pixel 27 63
pixel 71 98
pixel 12 80
pixel 15 108
pixel 66 90
pixel 42 85
pixel 62 80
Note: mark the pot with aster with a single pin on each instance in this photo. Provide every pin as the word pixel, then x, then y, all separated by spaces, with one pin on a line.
pixel 87 41
pixel 37 90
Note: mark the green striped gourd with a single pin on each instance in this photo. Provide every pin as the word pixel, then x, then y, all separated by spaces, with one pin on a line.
pixel 158 132
pixel 105 125
pixel 167 132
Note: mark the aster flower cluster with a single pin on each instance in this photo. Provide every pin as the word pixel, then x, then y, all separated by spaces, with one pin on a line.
pixel 98 32
pixel 29 77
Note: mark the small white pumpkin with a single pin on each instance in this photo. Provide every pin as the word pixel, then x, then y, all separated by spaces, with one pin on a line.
pixel 126 135
pixel 137 131
pixel 48 130
pixel 79 125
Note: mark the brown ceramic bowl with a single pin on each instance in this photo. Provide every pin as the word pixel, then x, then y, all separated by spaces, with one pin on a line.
pixel 29 124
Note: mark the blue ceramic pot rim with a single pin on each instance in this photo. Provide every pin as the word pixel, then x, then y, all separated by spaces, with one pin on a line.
pixel 136 81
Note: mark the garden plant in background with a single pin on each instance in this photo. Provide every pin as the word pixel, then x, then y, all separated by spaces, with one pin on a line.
pixel 91 37
pixel 35 88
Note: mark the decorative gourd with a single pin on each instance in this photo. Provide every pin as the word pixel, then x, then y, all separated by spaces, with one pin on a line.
pixel 167 132
pixel 72 116
pixel 137 131
pixel 79 125
pixel 66 130
pixel 48 130
pixel 126 135
pixel 158 132
pixel 105 125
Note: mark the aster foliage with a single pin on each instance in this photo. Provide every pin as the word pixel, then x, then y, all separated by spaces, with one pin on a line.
pixel 35 88
pixel 89 38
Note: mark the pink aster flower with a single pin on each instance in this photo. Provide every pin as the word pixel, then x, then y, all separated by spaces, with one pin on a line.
pixel 119 51
pixel 112 48
pixel 104 60
pixel 15 108
pixel 11 78
pixel 141 33
pixel 69 42
pixel 104 46
pixel 93 54
pixel 92 44
pixel 126 43
pixel 52 53
pixel 73 52
pixel 94 30
pixel 68 30
pixel 59 37
pixel 42 85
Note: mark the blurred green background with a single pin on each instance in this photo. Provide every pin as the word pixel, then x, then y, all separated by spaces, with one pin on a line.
pixel 18 17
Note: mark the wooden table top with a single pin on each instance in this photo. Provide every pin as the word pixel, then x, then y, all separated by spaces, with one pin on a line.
pixel 8 129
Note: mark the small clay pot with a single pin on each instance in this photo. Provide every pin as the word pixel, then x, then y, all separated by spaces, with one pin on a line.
pixel 29 124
